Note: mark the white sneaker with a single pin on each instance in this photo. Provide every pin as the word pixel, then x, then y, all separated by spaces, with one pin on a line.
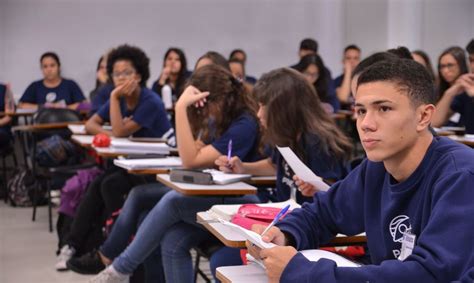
pixel 66 253
pixel 110 275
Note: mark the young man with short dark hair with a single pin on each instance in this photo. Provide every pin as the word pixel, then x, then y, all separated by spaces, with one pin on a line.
pixel 413 188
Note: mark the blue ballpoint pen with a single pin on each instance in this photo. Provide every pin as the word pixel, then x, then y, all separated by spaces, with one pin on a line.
pixel 275 220
pixel 229 150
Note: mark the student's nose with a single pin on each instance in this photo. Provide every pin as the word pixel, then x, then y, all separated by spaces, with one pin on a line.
pixel 368 122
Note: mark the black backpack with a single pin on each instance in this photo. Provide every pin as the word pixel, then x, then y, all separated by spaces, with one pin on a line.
pixel 21 189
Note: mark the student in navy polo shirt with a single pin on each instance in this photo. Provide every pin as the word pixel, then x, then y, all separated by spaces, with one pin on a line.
pixel 451 66
pixel 5 121
pixel 312 67
pixel 413 188
pixel 52 90
pixel 342 84
pixel 175 73
pixel 213 109
pixel 240 55
pixel 132 110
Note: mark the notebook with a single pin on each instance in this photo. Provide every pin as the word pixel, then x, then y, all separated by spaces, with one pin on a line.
pixel 126 145
pixel 312 255
pixel 221 178
pixel 167 162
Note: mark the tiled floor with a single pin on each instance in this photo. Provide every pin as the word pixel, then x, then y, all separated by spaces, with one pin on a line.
pixel 27 249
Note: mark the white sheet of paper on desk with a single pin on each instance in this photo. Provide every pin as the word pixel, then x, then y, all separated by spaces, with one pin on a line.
pixel 301 170
pixel 222 178
pixel 167 162
pixel 77 129
pixel 315 255
pixel 251 236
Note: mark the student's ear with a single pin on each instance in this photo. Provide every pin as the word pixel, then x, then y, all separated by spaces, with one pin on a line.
pixel 425 113
pixel 139 78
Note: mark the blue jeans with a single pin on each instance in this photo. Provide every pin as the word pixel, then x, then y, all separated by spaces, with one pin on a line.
pixel 224 256
pixel 175 251
pixel 139 202
pixel 172 209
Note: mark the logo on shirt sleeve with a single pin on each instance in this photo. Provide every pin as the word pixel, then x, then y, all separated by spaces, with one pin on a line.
pixel 398 226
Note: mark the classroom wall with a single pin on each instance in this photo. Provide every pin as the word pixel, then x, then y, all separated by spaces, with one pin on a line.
pixel 269 30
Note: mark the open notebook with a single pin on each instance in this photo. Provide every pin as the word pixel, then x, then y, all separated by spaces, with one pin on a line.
pixel 131 164
pixel 222 178
pixel 312 255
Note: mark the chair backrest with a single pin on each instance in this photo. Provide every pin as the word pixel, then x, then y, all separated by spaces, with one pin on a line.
pixel 56 115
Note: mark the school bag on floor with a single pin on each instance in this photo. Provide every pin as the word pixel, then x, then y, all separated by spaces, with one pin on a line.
pixel 21 189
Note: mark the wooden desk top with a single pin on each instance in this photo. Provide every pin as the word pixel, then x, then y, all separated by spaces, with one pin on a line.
pixel 233 189
pixel 241 274
pixel 42 127
pixel 149 171
pixel 231 239
pixel 20 112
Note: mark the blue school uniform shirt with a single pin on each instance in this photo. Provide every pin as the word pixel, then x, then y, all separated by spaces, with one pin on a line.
pixel 103 95
pixel 149 113
pixel 321 163
pixel 67 90
pixel 435 202
pixel 464 105
pixel 244 132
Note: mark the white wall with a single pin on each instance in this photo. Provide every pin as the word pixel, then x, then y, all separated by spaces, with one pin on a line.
pixel 269 30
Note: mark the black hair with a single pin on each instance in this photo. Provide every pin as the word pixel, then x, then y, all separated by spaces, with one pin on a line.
pixel 460 57
pixel 426 58
pixel 216 59
pixel 235 60
pixel 322 83
pixel 351 47
pixel 51 55
pixel 182 75
pixel 137 58
pixel 309 44
pixel 97 82
pixel 372 59
pixel 401 52
pixel 407 75
pixel 235 51
pixel 470 47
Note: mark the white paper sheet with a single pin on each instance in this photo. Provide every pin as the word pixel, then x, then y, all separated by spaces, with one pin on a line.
pixel 301 170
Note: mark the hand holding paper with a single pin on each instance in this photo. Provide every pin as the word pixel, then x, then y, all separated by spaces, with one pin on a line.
pixel 301 170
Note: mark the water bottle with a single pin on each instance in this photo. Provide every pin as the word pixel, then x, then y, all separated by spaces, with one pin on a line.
pixel 9 100
pixel 167 96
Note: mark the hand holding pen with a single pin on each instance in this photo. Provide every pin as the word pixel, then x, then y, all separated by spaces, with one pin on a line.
pixel 276 219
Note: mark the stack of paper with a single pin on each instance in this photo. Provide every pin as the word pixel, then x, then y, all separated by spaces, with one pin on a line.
pixel 167 162
pixel 126 145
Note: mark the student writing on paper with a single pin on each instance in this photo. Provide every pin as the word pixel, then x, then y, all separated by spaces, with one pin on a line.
pixel 292 115
pixel 412 196
pixel 213 109
pixel 132 110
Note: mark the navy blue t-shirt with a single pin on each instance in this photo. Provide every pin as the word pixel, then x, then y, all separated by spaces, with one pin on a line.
pixel 103 95
pixel 244 132
pixel 149 113
pixel 67 90
pixel 434 202
pixel 321 163
pixel 464 105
